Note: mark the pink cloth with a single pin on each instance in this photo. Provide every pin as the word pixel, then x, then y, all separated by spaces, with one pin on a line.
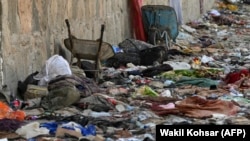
pixel 168 106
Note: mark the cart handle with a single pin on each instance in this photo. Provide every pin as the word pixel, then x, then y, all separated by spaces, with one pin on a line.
pixel 70 38
pixel 100 42
pixel 67 23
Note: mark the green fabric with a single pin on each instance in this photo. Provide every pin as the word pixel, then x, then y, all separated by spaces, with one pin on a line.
pixel 201 82
pixel 60 98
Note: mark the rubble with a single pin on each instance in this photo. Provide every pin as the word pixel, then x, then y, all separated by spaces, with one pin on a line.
pixel 203 80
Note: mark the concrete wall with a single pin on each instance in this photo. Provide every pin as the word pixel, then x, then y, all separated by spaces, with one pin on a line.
pixel 192 11
pixel 31 30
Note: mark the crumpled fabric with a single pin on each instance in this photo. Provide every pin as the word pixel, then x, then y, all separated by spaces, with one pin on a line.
pixel 96 102
pixel 60 98
pixel 161 111
pixel 88 130
pixel 201 82
pixel 10 125
pixel 161 105
pixel 32 130
pixel 232 77
pixel 198 107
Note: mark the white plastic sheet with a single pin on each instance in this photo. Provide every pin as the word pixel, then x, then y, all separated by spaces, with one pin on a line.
pixel 56 65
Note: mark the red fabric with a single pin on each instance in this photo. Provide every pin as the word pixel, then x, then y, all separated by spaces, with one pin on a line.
pixel 137 23
pixel 235 76
pixel 245 72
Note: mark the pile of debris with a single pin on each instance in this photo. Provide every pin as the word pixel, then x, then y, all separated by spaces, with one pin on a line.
pixel 202 79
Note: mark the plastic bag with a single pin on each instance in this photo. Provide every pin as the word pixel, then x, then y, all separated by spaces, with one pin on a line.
pixel 55 66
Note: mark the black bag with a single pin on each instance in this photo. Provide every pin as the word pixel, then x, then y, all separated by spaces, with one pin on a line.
pixel 152 55
pixel 133 45
pixel 22 85
pixel 121 59
pixel 153 71
pixel 137 52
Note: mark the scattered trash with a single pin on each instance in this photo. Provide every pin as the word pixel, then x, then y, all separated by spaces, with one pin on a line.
pixel 203 78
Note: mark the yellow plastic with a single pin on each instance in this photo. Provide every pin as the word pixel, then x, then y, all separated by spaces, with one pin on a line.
pixel 232 7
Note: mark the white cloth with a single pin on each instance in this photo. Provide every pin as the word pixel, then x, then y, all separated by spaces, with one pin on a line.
pixel 176 4
pixel 32 130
